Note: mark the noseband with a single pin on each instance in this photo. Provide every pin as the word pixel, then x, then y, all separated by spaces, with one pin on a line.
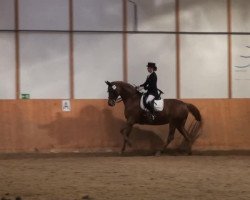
pixel 118 99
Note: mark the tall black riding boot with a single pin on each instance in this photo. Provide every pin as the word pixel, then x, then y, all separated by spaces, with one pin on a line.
pixel 152 110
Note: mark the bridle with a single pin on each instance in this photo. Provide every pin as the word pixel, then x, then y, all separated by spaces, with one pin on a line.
pixel 114 96
pixel 118 100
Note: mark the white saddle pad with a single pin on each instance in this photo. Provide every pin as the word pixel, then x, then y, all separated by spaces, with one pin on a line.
pixel 158 105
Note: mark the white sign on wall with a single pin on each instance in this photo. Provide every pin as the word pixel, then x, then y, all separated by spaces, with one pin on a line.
pixel 241 66
pixel 242 71
pixel 66 107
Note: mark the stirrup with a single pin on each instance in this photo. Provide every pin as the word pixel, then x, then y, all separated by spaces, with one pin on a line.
pixel 153 117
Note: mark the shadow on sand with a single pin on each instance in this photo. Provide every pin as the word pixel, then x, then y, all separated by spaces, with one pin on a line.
pixel 94 129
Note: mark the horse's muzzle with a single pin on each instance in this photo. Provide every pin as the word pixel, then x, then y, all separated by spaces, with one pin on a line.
pixel 111 102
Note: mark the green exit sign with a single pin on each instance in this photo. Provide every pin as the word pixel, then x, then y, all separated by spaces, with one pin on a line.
pixel 25 96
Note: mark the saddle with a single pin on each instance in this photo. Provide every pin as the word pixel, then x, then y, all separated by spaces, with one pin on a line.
pixel 158 102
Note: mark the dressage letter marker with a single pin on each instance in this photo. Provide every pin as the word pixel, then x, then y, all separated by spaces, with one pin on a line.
pixel 66 106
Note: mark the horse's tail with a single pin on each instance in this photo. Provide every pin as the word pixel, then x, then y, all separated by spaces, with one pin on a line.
pixel 194 128
pixel 195 112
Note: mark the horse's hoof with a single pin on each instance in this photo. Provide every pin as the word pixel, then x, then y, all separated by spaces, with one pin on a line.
pixel 158 153
pixel 190 153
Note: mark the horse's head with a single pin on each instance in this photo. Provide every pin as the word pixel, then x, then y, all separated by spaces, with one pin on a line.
pixel 113 92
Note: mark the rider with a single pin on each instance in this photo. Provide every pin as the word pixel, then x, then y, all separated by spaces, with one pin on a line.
pixel 151 86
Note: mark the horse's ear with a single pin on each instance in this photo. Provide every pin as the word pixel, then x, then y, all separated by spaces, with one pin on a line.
pixel 108 83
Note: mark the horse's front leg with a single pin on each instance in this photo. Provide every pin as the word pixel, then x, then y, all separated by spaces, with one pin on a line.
pixel 126 132
pixel 125 135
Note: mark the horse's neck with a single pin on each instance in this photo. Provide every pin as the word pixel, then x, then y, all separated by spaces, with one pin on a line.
pixel 127 92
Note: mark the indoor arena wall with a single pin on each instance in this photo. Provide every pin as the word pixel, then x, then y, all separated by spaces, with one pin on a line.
pixel 56 50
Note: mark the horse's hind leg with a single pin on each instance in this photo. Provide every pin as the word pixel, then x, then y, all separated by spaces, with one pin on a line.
pixel 185 135
pixel 170 136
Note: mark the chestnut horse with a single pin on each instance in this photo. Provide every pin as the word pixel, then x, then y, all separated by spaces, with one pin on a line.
pixel 175 112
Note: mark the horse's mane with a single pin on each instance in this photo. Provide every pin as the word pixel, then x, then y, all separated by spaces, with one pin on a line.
pixel 128 87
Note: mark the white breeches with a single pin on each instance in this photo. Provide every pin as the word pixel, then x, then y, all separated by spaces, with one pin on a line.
pixel 150 98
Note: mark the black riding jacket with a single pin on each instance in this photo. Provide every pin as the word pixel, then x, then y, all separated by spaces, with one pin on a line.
pixel 151 84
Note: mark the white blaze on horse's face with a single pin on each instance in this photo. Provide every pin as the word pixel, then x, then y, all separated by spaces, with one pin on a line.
pixel 113 95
